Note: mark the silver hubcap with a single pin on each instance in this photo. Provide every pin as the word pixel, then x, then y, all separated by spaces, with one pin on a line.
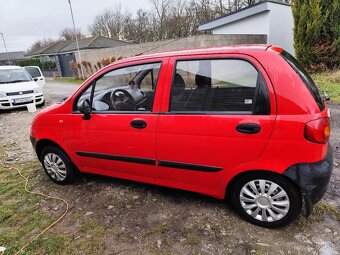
pixel 264 200
pixel 55 167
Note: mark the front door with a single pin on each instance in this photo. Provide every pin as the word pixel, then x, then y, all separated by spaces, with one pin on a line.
pixel 119 137
pixel 218 114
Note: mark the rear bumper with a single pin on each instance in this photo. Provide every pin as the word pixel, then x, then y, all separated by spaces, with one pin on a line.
pixel 313 179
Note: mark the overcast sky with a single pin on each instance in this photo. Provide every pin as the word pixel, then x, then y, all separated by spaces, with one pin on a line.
pixel 24 21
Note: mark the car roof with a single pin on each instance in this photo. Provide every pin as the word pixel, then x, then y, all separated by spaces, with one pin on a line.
pixel 10 67
pixel 241 48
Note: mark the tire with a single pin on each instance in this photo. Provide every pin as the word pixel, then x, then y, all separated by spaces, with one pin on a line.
pixel 278 205
pixel 57 165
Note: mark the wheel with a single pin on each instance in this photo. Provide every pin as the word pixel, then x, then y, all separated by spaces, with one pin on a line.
pixel 57 165
pixel 266 199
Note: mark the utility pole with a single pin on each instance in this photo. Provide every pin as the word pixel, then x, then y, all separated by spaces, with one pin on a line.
pixel 75 34
pixel 3 38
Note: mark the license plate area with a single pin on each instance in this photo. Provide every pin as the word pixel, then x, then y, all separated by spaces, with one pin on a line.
pixel 22 100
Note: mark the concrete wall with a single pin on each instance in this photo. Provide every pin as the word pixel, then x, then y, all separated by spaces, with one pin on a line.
pixel 175 44
pixel 256 24
pixel 281 27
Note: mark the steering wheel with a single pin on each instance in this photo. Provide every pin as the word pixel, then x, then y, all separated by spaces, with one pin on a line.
pixel 123 98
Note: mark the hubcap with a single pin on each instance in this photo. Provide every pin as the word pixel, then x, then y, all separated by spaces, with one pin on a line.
pixel 264 200
pixel 55 167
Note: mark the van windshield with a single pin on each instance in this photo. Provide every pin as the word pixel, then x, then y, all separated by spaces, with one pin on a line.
pixel 306 78
pixel 14 76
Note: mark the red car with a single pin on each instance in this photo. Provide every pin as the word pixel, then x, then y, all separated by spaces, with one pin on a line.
pixel 241 122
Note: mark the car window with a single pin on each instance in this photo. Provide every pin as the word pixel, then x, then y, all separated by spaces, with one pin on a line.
pixel 33 71
pixel 14 76
pixel 216 85
pixel 306 78
pixel 129 88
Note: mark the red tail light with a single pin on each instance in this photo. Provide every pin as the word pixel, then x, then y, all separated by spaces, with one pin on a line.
pixel 318 130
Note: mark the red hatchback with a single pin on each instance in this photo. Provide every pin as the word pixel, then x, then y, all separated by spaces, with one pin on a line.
pixel 241 122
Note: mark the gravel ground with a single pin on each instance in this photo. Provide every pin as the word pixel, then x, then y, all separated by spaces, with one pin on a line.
pixel 146 219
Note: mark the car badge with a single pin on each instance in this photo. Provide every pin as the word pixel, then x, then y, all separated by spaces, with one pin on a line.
pixel 20 93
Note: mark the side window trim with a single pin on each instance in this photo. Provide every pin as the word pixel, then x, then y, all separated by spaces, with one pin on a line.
pixel 263 85
pixel 93 84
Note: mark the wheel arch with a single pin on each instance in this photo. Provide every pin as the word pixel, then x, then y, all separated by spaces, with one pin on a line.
pixel 236 177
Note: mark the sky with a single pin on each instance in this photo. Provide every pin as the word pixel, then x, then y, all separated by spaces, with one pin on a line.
pixel 25 21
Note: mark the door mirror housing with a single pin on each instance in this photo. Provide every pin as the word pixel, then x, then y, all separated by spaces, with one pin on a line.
pixel 86 109
pixel 35 79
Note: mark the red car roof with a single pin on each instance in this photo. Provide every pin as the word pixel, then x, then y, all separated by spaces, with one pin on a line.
pixel 217 49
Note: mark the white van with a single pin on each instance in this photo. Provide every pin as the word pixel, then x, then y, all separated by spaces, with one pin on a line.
pixel 17 88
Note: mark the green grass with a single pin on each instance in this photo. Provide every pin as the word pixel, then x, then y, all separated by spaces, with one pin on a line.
pixel 329 82
pixel 23 216
pixel 68 80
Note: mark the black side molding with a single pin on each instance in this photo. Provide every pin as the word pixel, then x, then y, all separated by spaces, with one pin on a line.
pixel 145 161
pixel 189 166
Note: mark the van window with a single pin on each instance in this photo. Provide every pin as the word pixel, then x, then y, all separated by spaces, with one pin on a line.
pixel 305 77
pixel 218 85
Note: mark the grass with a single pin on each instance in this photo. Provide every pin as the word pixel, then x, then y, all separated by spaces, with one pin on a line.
pixel 23 216
pixel 68 80
pixel 329 82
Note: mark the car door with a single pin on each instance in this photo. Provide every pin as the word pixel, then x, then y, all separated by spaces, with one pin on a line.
pixel 218 112
pixel 118 139
pixel 36 74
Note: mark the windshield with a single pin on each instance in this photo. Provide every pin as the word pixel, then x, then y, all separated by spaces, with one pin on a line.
pixel 14 75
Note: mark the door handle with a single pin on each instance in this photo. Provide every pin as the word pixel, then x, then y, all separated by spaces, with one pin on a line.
pixel 248 128
pixel 140 124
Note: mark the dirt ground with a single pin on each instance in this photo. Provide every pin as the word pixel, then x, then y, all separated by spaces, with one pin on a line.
pixel 144 219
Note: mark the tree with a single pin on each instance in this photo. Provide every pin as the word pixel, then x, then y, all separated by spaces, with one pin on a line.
pixel 68 34
pixel 317 33
pixel 110 23
pixel 41 44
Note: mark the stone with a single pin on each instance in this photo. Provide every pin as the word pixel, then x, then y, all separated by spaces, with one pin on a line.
pixel 328 248
pixel 88 213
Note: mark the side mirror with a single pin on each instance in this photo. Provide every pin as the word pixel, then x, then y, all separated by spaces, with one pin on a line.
pixel 86 109
pixel 326 96
pixel 35 79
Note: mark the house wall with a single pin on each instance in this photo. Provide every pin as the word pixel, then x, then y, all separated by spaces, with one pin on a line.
pixel 281 27
pixel 256 24
pixel 175 44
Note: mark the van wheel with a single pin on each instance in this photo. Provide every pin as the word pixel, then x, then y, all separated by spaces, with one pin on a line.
pixel 57 165
pixel 266 199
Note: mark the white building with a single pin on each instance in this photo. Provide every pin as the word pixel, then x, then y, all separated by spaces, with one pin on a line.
pixel 271 18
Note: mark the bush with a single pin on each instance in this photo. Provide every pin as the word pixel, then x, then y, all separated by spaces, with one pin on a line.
pixel 317 33
pixel 44 65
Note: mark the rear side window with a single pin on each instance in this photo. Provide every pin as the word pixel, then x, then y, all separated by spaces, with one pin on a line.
pixel 305 77
pixel 218 85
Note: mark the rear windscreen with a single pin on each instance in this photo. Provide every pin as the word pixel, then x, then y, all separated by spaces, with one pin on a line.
pixel 308 81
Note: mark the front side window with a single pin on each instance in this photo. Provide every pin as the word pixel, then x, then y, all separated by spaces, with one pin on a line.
pixel 218 85
pixel 129 88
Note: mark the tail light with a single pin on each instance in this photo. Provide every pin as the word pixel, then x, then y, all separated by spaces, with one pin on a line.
pixel 318 130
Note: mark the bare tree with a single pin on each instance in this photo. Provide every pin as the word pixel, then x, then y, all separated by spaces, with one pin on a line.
pixel 39 44
pixel 110 23
pixel 68 34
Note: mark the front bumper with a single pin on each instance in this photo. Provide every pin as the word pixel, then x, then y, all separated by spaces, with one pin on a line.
pixel 313 179
pixel 8 103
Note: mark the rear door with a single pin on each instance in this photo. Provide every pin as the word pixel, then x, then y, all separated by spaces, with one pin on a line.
pixel 36 74
pixel 217 113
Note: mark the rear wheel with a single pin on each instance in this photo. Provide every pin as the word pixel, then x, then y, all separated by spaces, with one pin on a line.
pixel 266 199
pixel 57 165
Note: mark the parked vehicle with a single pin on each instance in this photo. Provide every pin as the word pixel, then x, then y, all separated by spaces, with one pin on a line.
pixel 36 74
pixel 241 122
pixel 17 88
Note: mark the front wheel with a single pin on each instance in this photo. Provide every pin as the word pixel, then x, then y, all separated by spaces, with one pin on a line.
pixel 57 165
pixel 266 199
